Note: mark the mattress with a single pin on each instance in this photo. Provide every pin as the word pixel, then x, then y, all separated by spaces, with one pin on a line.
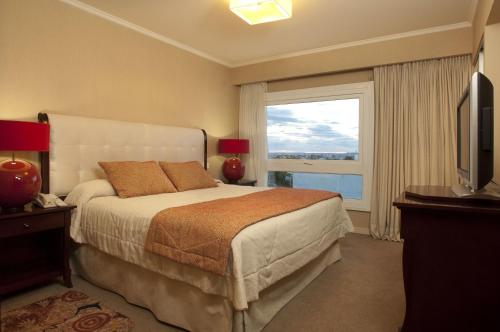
pixel 262 254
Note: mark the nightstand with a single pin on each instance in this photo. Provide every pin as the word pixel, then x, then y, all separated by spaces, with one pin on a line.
pixel 34 247
pixel 249 183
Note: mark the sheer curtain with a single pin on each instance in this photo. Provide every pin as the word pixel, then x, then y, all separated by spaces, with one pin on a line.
pixel 415 107
pixel 253 126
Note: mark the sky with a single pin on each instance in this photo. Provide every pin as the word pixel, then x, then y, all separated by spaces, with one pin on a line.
pixel 325 126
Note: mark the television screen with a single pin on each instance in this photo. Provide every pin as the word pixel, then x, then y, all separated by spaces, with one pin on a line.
pixel 475 136
pixel 463 133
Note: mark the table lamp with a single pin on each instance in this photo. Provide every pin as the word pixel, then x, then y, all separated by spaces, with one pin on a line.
pixel 20 180
pixel 232 168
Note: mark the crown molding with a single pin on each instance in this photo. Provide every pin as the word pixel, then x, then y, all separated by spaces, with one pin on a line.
pixel 102 14
pixel 94 11
pixel 413 33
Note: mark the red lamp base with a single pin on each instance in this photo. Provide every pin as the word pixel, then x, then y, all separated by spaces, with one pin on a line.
pixel 233 170
pixel 20 182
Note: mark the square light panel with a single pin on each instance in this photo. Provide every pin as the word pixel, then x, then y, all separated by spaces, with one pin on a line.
pixel 261 11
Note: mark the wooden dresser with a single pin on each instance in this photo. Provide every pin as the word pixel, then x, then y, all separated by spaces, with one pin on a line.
pixel 34 247
pixel 451 261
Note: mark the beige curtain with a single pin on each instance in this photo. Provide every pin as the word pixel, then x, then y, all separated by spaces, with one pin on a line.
pixel 415 109
pixel 253 126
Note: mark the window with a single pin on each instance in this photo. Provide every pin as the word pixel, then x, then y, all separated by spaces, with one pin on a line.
pixel 322 138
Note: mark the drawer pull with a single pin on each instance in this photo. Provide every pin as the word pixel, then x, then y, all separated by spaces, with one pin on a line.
pixel 26 225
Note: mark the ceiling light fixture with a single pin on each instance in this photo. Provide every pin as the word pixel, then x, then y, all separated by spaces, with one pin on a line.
pixel 261 11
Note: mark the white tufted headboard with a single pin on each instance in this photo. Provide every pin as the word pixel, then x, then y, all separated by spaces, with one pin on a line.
pixel 78 143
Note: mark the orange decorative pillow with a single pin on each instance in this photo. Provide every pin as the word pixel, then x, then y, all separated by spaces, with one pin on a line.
pixel 135 178
pixel 188 176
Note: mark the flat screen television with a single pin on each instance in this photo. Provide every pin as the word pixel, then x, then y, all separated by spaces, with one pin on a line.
pixel 475 136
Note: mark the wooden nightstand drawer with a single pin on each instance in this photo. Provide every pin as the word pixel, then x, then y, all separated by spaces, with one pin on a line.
pixel 37 246
pixel 26 225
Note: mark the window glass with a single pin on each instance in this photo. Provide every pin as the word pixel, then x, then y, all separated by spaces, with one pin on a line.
pixel 320 130
pixel 349 185
pixel 322 138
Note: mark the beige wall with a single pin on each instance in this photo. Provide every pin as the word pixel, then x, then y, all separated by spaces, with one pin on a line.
pixel 492 70
pixel 481 15
pixel 495 13
pixel 54 57
pixel 360 220
pixel 439 44
pixel 486 22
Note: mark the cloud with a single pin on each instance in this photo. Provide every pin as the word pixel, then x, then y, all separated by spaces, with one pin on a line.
pixel 324 131
pixel 280 117
pixel 317 144
pixel 312 128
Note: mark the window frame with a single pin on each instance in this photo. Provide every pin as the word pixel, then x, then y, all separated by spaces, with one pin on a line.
pixel 364 91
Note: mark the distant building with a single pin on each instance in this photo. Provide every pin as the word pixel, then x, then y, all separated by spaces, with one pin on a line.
pixel 315 155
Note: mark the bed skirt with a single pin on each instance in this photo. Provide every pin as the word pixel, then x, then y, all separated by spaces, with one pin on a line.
pixel 183 305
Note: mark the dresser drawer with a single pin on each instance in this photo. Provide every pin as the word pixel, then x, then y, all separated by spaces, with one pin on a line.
pixel 26 225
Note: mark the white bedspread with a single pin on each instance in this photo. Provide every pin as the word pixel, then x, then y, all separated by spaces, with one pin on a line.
pixel 262 253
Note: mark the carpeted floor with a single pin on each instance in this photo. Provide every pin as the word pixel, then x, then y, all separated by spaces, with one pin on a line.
pixel 361 293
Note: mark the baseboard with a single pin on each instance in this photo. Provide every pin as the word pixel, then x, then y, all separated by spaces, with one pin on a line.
pixel 361 230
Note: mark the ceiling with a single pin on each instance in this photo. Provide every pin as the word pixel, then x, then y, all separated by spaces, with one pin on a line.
pixel 210 29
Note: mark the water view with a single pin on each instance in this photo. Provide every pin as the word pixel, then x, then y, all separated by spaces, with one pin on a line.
pixel 349 185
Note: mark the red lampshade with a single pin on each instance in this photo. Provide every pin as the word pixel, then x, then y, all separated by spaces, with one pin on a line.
pixel 24 136
pixel 234 146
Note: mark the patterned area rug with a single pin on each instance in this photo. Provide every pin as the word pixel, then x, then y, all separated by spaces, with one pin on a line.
pixel 71 311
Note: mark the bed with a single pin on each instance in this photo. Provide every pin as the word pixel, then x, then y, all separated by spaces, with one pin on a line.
pixel 271 261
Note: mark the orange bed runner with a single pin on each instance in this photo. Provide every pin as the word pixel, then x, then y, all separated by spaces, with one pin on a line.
pixel 200 234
